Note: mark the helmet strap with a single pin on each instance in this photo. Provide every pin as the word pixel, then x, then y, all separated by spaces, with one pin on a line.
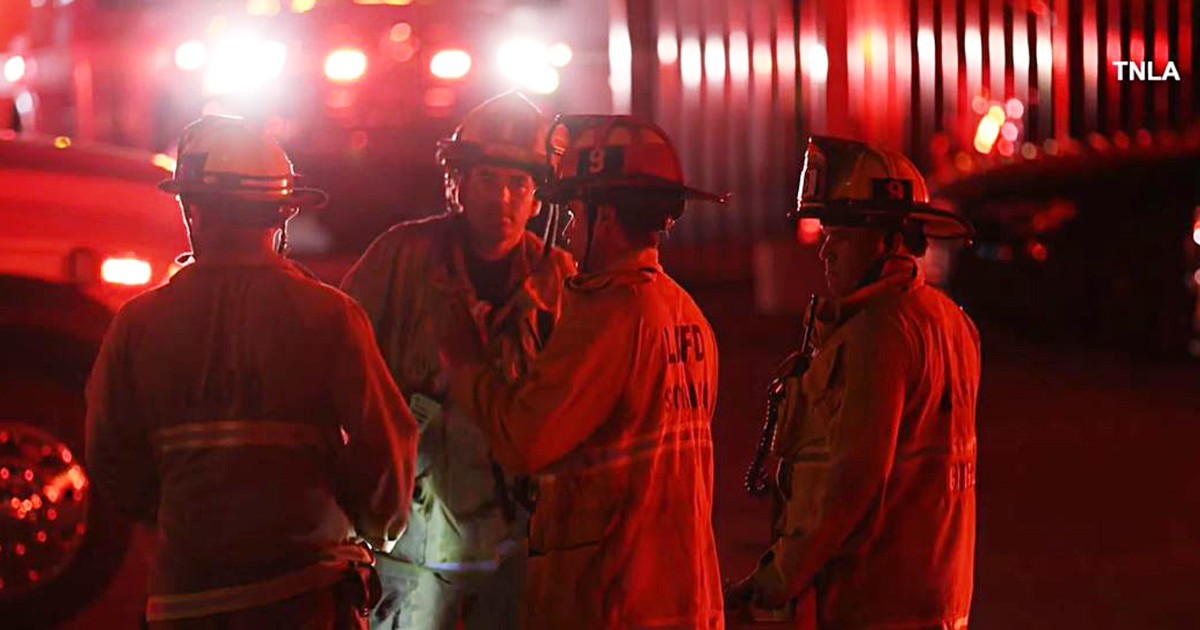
pixel 875 271
pixel 550 236
pixel 281 248
pixel 593 212
pixel 455 181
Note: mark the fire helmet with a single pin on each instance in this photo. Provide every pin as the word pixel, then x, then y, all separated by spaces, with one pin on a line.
pixel 611 156
pixel 507 130
pixel 849 183
pixel 224 156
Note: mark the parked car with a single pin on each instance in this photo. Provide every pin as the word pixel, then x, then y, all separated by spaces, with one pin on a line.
pixel 82 230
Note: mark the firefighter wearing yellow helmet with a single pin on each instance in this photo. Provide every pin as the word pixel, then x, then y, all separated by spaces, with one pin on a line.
pixel 240 175
pixel 463 557
pixel 876 422
pixel 614 417
pixel 243 411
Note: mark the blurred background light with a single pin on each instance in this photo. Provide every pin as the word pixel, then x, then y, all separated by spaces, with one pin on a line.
pixel 451 63
pixel 14 68
pixel 243 63
pixel 190 55
pixel 345 65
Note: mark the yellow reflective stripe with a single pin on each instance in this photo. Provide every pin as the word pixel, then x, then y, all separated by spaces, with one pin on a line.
pixel 689 435
pixel 236 433
pixel 232 442
pixel 241 597
pixel 232 426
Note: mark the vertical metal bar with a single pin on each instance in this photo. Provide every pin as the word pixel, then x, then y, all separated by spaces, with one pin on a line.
pixel 901 110
pixel 837 45
pixel 1020 55
pixel 620 71
pixel 1112 89
pixel 643 71
pixel 1061 71
pixel 1161 56
pixel 1045 78
pixel 1188 45
pixel 1137 53
pixel 973 51
pixel 997 66
pixel 925 93
pixel 1088 65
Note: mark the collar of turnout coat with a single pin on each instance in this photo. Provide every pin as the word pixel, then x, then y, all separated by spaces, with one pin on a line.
pixel 636 267
pixel 531 273
pixel 899 274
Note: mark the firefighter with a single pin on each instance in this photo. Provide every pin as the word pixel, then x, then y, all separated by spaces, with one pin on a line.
pixel 614 417
pixel 876 440
pixel 243 410
pixel 463 556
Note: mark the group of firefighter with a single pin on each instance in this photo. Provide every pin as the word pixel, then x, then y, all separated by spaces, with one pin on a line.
pixel 486 427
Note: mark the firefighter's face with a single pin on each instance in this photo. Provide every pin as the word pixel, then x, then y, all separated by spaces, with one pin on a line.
pixel 497 202
pixel 848 253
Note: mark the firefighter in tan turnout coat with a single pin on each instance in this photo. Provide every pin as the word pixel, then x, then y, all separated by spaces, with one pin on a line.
pixel 876 440
pixel 463 557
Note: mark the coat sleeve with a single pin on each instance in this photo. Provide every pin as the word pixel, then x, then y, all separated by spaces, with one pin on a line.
pixel 376 467
pixel 876 368
pixel 119 455
pixel 573 386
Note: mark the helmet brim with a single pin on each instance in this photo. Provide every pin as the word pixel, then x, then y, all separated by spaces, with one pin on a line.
pixel 939 223
pixel 302 197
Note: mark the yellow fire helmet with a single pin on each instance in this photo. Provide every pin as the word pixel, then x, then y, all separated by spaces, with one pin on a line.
pixel 507 129
pixel 225 156
pixel 610 155
pixel 850 183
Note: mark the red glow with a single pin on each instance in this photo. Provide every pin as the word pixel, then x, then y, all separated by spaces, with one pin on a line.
pixel 1014 108
pixel 808 231
pixel 127 271
pixel 1137 48
pixel 440 98
pixel 1037 251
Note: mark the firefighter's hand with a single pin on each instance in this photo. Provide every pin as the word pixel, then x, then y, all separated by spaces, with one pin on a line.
pixel 738 597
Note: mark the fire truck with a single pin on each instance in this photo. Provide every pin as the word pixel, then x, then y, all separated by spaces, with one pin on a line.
pixel 357 91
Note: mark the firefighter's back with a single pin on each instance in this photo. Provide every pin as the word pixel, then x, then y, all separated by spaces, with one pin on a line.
pixel 675 579
pixel 640 488
pixel 234 367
